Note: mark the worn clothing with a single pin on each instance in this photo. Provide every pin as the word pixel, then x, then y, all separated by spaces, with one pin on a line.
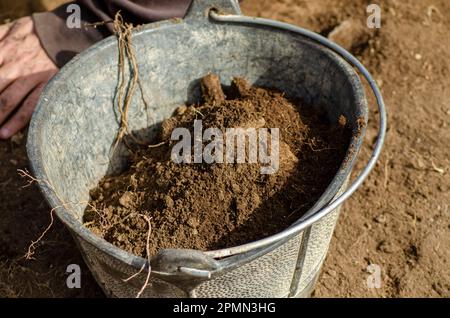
pixel 63 43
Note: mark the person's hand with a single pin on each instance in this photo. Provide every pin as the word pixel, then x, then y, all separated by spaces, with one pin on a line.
pixel 25 69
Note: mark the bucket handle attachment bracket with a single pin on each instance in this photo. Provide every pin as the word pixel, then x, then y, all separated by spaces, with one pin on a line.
pixel 184 263
pixel 199 9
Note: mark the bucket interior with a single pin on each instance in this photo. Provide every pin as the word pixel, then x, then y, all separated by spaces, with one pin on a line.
pixel 76 123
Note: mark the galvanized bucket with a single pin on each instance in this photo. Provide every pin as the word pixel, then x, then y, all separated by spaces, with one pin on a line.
pixel 75 125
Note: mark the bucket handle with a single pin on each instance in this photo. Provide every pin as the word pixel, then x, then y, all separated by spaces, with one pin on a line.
pixel 199 9
pixel 309 221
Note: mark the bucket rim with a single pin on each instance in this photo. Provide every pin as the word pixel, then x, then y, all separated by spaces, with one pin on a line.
pixel 69 219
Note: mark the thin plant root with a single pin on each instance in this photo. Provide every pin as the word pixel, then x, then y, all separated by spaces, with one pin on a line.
pixel 124 32
pixel 31 180
pixel 157 145
pixel 32 247
pixel 147 279
pixel 134 275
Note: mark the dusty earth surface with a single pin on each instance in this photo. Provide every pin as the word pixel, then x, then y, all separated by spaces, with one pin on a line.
pixel 14 9
pixel 399 220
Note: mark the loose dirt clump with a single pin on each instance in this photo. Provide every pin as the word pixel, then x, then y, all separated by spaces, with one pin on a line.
pixel 210 206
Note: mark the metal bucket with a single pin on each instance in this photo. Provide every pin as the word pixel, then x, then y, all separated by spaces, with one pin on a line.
pixel 75 125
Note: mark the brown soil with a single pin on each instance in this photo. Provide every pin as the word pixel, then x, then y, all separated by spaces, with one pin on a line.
pixel 399 219
pixel 211 206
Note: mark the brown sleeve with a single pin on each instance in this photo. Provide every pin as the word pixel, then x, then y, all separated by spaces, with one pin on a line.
pixel 62 43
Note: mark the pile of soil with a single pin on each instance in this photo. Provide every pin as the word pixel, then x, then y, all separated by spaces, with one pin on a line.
pixel 211 206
